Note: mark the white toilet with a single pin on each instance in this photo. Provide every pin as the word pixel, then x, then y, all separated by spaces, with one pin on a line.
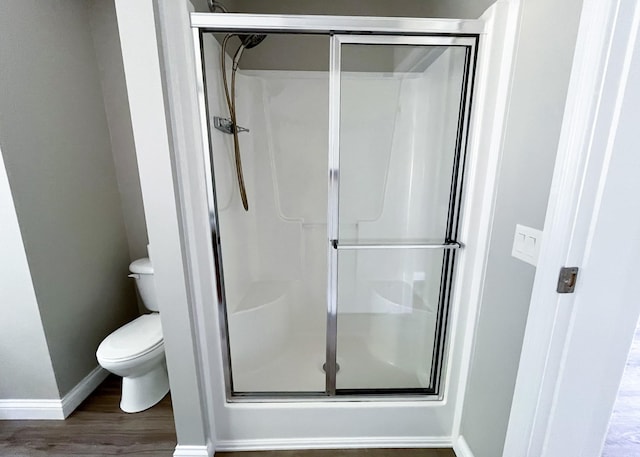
pixel 136 350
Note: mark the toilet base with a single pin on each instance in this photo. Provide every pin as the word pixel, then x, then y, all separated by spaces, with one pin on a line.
pixel 142 392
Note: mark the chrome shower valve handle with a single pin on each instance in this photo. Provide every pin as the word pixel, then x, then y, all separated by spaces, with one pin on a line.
pixel 225 125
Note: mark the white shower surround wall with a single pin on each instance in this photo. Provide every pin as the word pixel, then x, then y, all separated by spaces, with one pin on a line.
pixel 275 256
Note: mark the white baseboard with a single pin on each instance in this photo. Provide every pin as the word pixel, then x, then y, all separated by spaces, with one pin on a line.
pixel 52 409
pixel 24 409
pixel 461 448
pixel 332 443
pixel 193 451
pixel 82 390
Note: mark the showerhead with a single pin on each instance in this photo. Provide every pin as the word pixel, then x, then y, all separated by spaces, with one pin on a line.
pixel 248 41
pixel 251 41
pixel 215 6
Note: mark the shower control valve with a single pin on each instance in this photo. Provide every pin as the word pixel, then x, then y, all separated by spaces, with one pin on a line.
pixel 225 125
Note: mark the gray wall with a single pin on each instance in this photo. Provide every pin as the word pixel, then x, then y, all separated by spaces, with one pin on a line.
pixel 106 41
pixel 57 152
pixel 543 60
pixel 460 9
pixel 23 348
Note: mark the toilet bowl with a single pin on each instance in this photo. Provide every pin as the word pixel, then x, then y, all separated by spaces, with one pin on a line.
pixel 135 351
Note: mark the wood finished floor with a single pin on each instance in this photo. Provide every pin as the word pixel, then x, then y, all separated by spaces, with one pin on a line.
pixel 98 428
pixel 623 439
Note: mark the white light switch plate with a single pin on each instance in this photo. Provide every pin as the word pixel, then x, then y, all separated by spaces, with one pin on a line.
pixel 526 244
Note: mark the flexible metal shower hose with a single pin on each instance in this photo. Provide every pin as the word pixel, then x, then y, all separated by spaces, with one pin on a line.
pixel 231 103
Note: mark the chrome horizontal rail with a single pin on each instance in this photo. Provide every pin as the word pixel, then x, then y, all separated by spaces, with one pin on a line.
pixel 334 24
pixel 449 245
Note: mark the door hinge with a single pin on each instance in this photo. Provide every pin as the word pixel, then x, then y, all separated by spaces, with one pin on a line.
pixel 567 280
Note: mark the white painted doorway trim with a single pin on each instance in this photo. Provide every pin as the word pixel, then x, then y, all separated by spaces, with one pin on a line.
pixel 575 345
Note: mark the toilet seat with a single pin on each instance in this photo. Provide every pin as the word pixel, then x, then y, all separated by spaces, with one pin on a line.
pixel 133 340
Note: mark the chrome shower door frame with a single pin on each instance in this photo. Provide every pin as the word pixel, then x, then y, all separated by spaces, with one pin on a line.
pixel 352 30
pixel 449 242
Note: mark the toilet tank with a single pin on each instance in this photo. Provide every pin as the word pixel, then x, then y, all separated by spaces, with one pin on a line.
pixel 142 271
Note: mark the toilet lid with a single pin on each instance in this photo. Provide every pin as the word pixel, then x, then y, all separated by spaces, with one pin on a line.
pixel 133 339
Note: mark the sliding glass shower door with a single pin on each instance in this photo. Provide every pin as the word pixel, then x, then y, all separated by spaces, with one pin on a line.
pixel 340 286
pixel 398 129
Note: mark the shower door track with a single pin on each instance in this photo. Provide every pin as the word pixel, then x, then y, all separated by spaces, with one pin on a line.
pixel 328 25
pixel 345 29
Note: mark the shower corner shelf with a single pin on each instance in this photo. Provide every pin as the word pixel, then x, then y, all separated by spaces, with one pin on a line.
pixel 225 125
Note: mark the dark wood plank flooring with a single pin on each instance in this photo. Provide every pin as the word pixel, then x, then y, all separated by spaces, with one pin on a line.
pixel 99 428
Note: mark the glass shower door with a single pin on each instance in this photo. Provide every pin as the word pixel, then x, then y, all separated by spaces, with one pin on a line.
pixel 399 113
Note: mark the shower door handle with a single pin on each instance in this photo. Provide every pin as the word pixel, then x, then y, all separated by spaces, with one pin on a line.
pixel 445 245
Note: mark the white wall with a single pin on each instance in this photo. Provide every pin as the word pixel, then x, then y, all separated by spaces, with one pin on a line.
pixel 106 41
pixel 542 65
pixel 57 153
pixel 23 347
pixel 141 59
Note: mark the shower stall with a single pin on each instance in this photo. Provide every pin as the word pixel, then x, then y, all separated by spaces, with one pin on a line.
pixel 336 268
